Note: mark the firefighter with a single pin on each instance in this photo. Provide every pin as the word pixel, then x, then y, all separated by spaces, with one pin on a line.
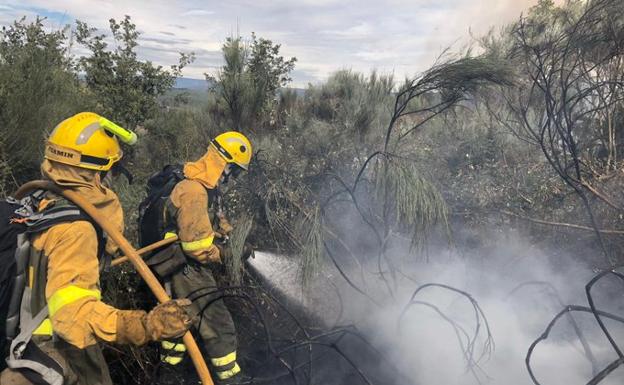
pixel 187 214
pixel 63 269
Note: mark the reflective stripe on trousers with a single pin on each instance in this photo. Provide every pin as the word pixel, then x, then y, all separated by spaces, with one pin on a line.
pixel 226 366
pixel 172 353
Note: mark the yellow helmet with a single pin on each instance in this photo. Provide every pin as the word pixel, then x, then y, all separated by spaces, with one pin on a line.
pixel 234 147
pixel 87 140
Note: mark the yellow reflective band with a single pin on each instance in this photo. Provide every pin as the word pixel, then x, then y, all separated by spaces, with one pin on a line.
pixel 224 375
pixel 225 360
pixel 31 275
pixel 171 360
pixel 175 346
pixel 67 295
pixel 170 234
pixel 45 329
pixel 198 245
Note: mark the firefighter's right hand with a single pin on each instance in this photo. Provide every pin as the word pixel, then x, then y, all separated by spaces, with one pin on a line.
pixel 169 320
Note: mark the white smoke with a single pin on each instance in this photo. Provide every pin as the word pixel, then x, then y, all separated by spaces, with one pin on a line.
pixel 425 347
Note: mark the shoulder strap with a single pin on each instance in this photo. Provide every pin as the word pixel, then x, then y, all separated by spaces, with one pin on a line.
pixel 18 359
pixel 43 220
pixel 67 212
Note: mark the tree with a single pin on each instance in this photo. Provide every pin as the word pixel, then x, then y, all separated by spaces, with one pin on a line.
pixel 269 70
pixel 126 88
pixel 38 88
pixel 233 85
pixel 250 79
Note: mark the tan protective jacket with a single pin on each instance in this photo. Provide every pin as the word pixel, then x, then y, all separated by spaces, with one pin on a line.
pixel 72 290
pixel 70 253
pixel 189 202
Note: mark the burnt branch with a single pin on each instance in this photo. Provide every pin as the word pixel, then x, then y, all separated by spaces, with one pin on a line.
pixel 466 342
pixel 598 315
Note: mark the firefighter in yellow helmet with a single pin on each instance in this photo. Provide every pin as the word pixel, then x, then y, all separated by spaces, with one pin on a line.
pixel 187 212
pixel 62 316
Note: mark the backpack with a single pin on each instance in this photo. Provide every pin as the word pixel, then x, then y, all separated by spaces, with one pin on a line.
pixel 20 219
pixel 152 226
pixel 151 223
pixel 8 243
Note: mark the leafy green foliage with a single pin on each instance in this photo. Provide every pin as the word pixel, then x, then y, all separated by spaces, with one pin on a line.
pixel 269 71
pixel 248 82
pixel 235 264
pixel 175 135
pixel 38 89
pixel 411 201
pixel 234 86
pixel 127 89
pixel 310 230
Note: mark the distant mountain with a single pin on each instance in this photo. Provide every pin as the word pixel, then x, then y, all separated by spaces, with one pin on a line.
pixel 202 85
pixel 191 84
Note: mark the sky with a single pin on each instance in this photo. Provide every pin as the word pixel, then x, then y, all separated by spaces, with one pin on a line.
pixel 392 36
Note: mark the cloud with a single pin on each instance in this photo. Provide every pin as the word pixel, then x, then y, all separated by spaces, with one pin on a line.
pixel 166 41
pixel 198 12
pixel 401 36
pixel 358 31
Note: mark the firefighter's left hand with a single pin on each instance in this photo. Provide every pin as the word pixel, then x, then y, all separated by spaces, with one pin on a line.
pixel 225 227
pixel 211 254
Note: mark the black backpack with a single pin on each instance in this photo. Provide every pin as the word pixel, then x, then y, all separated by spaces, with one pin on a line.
pixel 151 210
pixel 8 242
pixel 22 217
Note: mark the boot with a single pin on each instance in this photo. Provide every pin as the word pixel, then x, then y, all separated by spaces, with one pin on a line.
pixel 240 378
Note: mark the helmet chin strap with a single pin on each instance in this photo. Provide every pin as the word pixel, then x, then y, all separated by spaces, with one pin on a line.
pixel 225 175
pixel 230 170
pixel 116 170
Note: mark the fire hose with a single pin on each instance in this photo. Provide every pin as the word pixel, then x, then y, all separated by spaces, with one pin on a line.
pixel 134 257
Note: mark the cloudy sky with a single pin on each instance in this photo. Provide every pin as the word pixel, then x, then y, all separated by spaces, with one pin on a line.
pixel 398 36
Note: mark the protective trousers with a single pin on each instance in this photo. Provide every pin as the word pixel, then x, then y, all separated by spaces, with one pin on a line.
pixel 216 326
pixel 80 366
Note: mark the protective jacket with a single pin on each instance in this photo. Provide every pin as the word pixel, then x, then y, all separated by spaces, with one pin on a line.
pixel 70 253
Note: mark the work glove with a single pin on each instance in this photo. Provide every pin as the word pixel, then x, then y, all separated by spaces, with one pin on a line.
pixel 211 254
pixel 167 320
pixel 225 227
